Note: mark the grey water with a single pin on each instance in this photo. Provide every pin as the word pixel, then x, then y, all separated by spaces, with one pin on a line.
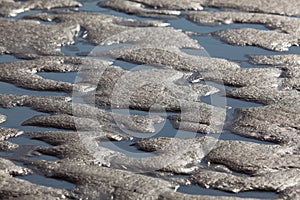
pixel 44 181
pixel 193 189
pixel 69 77
pixel 186 25
pixel 8 88
pixel 92 6
pixel 127 148
pixel 8 58
pixel 25 13
pixel 216 48
pixel 212 45
pixel 125 65
pixel 77 49
pixel 48 182
pixel 23 114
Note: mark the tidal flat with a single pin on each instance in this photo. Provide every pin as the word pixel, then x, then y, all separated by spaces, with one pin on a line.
pixel 147 99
